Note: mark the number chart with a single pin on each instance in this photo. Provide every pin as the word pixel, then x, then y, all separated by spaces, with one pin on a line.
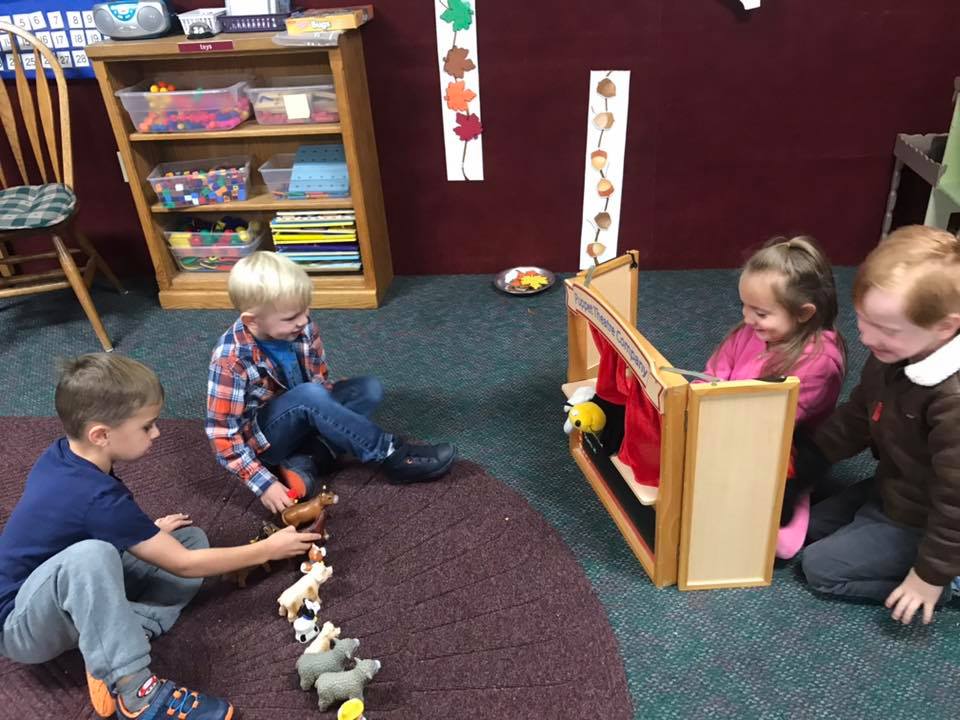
pixel 64 26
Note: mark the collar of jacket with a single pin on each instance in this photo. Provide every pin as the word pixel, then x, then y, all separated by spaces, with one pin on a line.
pixel 937 366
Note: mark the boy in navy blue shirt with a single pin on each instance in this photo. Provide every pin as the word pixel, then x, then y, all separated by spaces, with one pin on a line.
pixel 82 566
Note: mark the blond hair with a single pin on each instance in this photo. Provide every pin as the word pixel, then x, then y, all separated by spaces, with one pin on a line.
pixel 807 278
pixel 921 262
pixel 267 280
pixel 105 388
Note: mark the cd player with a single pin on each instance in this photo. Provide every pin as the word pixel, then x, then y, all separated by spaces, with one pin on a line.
pixel 132 19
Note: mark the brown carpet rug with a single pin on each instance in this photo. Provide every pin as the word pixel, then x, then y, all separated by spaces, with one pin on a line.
pixel 468 597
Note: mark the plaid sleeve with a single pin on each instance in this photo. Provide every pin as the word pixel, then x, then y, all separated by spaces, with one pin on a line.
pixel 316 357
pixel 226 392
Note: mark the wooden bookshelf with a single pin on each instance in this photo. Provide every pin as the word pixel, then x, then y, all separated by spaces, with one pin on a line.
pixel 121 64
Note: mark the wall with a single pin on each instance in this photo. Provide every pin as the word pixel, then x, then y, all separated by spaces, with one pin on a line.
pixel 741 126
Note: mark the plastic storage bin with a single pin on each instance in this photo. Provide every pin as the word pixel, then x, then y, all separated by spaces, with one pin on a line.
pixel 201 182
pixel 218 258
pixel 202 22
pixel 199 233
pixel 276 174
pixel 294 101
pixel 190 107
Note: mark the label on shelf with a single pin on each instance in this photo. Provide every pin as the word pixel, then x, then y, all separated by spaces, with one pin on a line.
pixel 202 47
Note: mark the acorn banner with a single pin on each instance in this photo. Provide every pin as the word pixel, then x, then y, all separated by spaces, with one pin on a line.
pixel 607 107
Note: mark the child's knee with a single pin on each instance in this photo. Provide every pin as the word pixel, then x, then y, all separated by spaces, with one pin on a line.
pixel 92 554
pixel 373 390
pixel 192 537
pixel 821 567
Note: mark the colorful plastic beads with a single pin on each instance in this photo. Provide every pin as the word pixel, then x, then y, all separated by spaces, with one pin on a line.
pixel 204 246
pixel 201 187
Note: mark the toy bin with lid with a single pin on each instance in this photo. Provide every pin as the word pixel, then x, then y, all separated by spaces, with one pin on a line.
pixel 294 100
pixel 171 104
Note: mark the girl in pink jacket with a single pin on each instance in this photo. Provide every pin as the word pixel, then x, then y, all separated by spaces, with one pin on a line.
pixel 789 316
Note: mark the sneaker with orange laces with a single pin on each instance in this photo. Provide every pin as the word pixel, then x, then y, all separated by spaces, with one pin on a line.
pixel 170 700
pixel 100 697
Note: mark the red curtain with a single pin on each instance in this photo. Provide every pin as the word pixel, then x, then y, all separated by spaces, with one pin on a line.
pixel 640 449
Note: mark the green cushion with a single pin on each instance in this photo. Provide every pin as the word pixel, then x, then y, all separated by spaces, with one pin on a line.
pixel 35 206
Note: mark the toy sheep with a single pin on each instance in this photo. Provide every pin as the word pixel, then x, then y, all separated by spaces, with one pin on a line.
pixel 306 588
pixel 311 665
pixel 334 687
pixel 328 633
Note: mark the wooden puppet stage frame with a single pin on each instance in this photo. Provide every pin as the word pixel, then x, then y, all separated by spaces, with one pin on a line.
pixel 723 455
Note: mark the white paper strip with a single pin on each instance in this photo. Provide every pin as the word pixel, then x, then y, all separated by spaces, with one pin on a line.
pixel 607 106
pixel 456 22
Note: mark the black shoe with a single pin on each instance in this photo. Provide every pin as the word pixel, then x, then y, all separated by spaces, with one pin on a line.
pixel 409 463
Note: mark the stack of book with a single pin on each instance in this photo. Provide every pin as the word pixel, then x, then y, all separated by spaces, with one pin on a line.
pixel 319 240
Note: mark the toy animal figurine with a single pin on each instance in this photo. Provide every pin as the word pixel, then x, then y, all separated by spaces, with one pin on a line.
pixel 586 417
pixel 352 709
pixel 311 665
pixel 333 687
pixel 314 555
pixel 324 641
pixel 306 588
pixel 305 626
pixel 308 512
pixel 240 576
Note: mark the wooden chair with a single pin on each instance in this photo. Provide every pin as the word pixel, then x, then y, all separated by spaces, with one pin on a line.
pixel 47 208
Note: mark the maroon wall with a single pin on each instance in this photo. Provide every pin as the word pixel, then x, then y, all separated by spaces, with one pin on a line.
pixel 741 126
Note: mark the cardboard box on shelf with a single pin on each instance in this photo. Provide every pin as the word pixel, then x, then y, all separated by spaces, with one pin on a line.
pixel 318 20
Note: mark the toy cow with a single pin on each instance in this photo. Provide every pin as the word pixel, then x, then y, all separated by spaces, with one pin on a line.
pixel 311 665
pixel 305 626
pixel 306 588
pixel 312 513
pixel 334 687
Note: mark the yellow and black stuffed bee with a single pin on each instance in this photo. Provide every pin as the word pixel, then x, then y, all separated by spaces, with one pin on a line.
pixel 582 414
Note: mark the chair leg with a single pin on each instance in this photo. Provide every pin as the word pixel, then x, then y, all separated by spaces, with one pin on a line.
pixel 5 270
pixel 101 264
pixel 75 279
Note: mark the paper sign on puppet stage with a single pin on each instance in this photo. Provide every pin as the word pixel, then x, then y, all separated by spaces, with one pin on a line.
pixel 456 22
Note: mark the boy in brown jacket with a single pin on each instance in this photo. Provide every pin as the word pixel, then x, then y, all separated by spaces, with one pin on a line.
pixel 895 538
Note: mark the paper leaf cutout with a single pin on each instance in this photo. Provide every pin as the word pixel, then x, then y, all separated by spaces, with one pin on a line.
pixel 458 96
pixel 469 127
pixel 459 14
pixel 456 62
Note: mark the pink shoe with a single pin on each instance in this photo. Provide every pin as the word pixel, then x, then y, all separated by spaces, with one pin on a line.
pixel 791 536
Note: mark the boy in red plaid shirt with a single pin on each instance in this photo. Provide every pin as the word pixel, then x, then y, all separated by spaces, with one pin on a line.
pixel 272 412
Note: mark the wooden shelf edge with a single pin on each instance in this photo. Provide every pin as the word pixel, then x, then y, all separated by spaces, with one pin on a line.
pixel 327 297
pixel 168 47
pixel 244 131
pixel 260 201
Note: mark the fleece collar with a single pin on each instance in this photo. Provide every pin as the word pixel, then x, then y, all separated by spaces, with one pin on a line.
pixel 936 367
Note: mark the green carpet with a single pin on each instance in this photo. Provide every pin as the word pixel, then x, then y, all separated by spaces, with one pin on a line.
pixel 464 363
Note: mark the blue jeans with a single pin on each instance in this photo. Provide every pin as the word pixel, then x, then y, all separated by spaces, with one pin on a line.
pixel 340 416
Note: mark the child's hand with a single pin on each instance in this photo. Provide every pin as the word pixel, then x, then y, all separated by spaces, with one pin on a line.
pixel 275 498
pixel 289 543
pixel 912 594
pixel 169 523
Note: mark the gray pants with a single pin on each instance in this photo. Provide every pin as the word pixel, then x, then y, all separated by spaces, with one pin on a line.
pixel 856 550
pixel 90 597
